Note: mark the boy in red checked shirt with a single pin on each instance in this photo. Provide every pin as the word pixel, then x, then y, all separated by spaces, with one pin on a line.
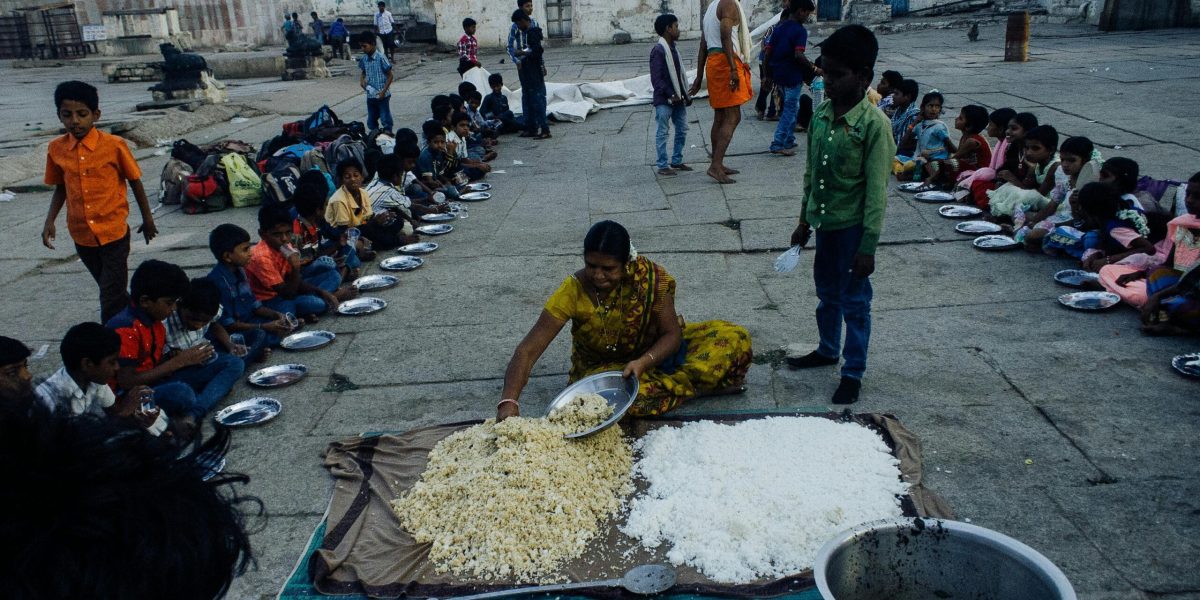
pixel 90 169
pixel 468 47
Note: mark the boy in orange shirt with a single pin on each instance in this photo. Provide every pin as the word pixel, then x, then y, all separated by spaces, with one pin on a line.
pixel 90 169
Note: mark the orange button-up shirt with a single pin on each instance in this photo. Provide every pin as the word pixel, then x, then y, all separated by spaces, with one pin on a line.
pixel 267 268
pixel 95 171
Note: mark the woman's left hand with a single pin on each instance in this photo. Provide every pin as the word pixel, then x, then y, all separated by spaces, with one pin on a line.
pixel 635 368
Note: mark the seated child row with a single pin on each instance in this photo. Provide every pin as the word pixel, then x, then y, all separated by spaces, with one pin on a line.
pixel 1062 199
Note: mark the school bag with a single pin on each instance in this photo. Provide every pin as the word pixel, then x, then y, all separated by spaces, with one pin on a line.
pixel 279 185
pixel 189 153
pixel 271 147
pixel 344 148
pixel 323 117
pixel 206 190
pixel 245 184
pixel 294 129
pixel 314 159
pixel 173 181
pixel 294 152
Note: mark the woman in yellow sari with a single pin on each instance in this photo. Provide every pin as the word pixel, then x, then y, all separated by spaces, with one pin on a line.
pixel 622 312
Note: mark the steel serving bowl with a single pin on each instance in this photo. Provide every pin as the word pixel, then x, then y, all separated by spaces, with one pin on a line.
pixel 618 391
pixel 920 559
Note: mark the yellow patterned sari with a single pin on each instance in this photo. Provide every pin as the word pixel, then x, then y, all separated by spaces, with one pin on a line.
pixel 715 355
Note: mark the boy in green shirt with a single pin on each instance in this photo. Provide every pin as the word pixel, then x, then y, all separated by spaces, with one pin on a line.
pixel 850 151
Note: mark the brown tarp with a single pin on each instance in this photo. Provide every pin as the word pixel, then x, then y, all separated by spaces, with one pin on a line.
pixel 366 552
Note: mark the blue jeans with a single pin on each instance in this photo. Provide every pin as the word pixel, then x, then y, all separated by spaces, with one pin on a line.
pixel 379 110
pixel 203 386
pixel 785 132
pixel 533 101
pixel 842 297
pixel 321 273
pixel 665 115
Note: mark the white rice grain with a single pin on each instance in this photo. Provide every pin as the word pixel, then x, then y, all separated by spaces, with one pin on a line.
pixel 756 500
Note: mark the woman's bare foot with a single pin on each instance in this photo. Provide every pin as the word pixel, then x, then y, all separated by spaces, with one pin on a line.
pixel 311 319
pixel 729 171
pixel 732 390
pixel 346 292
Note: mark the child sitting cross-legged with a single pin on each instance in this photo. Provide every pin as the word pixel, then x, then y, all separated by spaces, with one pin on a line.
pixel 187 383
pixel 1113 232
pixel 904 99
pixel 386 191
pixel 241 312
pixel 971 153
pixel 1015 200
pixel 474 167
pixel 432 164
pixel 1078 165
pixel 90 352
pixel 489 128
pixel 495 106
pixel 1138 277
pixel 973 185
pixel 319 242
pixel 931 135
pixel 349 207
pixel 274 271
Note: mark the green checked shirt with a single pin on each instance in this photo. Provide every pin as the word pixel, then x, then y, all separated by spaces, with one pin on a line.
pixel 849 160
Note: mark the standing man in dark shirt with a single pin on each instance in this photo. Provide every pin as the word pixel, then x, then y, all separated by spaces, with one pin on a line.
pixel 670 95
pixel 788 67
pixel 531 71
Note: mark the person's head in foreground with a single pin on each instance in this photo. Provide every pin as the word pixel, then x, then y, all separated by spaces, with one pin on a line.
pixel 667 27
pixel 1099 203
pixel 105 511
pixel 848 59
pixel 78 105
pixel 606 251
pixel 15 379
pixel 1121 172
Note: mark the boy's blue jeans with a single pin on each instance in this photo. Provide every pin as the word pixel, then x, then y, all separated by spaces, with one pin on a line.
pixel 197 389
pixel 842 297
pixel 321 273
pixel 785 131
pixel 665 115
pixel 379 112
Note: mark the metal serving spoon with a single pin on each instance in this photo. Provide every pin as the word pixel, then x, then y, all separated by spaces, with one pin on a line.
pixel 643 580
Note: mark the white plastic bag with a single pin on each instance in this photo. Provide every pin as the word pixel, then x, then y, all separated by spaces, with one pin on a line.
pixel 786 263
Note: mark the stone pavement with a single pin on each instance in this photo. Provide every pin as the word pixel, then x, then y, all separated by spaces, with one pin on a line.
pixel 1067 431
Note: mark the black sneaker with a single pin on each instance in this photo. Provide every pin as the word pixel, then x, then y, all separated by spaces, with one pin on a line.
pixel 847 391
pixel 810 360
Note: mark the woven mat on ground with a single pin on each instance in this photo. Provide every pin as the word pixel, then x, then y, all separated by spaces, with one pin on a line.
pixel 360 549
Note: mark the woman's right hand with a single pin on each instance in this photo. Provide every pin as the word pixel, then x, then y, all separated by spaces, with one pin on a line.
pixel 505 410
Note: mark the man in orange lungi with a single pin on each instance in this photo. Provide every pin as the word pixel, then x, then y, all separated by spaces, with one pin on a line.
pixel 724 46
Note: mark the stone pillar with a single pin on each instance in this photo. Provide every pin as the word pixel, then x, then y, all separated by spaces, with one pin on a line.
pixel 1016 38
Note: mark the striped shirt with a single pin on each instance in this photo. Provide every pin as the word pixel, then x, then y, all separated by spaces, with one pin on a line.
pixel 376 67
pixel 516 40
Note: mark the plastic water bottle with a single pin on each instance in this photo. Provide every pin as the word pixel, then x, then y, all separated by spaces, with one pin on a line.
pixel 818 90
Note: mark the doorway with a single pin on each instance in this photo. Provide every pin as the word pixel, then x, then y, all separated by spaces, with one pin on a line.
pixel 558 18
pixel 829 10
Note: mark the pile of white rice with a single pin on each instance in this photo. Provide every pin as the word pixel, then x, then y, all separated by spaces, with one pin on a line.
pixel 757 499
pixel 514 500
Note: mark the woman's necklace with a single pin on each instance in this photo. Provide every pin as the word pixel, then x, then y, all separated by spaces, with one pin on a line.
pixel 605 316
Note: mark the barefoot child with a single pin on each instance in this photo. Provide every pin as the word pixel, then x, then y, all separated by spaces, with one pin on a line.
pixel 1078 166
pixel 1012 201
pixel 971 153
pixel 349 207
pixel 670 96
pixel 318 241
pixel 905 116
pixel 241 312
pixel 274 271
pixel 468 47
pixel 1178 253
pixel 1114 233
pixel 475 168
pixel 887 86
pixel 90 169
pixel 432 166
pixel 495 106
pixel 932 138
pixel 996 129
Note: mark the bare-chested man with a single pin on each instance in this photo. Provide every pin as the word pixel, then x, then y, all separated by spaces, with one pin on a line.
pixel 728 76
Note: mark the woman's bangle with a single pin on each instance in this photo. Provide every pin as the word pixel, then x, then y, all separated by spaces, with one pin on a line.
pixel 506 400
pixel 651 355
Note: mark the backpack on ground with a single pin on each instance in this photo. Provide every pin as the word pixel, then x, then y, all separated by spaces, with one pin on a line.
pixel 173 181
pixel 279 185
pixel 322 118
pixel 344 148
pixel 245 184
pixel 314 159
pixel 294 153
pixel 189 153
pixel 270 148
pixel 206 191
pixel 294 129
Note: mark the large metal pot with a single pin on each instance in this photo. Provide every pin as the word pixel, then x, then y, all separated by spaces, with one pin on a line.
pixel 927 559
